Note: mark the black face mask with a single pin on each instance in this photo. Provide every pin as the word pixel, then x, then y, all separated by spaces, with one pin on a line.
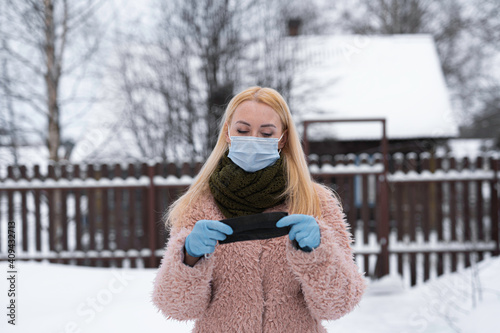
pixel 257 226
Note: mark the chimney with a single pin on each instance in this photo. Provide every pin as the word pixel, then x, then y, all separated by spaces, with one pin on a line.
pixel 294 26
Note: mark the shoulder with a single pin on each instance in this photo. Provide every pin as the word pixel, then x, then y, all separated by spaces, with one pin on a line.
pixel 330 203
pixel 201 208
pixel 326 195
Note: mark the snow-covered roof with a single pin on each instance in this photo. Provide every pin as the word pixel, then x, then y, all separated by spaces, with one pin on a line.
pixel 398 78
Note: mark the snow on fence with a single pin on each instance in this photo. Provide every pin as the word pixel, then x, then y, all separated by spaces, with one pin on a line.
pixel 441 216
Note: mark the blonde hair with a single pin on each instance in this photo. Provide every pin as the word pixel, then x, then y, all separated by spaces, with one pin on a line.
pixel 300 192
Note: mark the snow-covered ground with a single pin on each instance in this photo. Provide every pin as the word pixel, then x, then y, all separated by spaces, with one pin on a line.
pixel 58 298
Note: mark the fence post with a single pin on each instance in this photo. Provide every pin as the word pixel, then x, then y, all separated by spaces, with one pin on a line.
pixel 383 231
pixel 494 203
pixel 151 216
pixel 38 219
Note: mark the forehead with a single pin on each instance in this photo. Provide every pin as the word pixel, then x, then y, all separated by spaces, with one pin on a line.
pixel 256 113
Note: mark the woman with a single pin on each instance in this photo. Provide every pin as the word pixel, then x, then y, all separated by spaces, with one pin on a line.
pixel 282 284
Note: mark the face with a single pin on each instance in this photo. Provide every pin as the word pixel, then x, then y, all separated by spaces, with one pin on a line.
pixel 256 119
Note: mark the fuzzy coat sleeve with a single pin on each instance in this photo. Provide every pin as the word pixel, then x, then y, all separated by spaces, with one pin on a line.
pixel 180 291
pixel 329 277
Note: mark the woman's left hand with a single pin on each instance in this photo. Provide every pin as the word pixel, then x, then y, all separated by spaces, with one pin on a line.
pixel 304 229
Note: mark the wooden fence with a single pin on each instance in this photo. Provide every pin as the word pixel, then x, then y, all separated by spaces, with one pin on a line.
pixel 441 214
pixel 96 215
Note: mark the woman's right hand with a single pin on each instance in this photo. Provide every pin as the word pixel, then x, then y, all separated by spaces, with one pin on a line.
pixel 204 236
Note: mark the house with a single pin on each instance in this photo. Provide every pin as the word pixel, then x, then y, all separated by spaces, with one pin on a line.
pixel 397 78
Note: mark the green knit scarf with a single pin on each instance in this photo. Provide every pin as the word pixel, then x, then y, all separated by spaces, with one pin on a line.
pixel 239 193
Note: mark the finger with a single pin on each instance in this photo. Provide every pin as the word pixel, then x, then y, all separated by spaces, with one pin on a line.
pixel 302 243
pixel 292 234
pixel 219 226
pixel 301 235
pixel 289 220
pixel 209 242
pixel 208 249
pixel 216 235
pixel 310 241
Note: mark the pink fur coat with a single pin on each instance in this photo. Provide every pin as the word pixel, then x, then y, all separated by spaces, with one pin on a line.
pixel 261 285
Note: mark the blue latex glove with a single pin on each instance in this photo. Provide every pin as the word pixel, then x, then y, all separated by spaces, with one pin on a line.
pixel 204 236
pixel 304 230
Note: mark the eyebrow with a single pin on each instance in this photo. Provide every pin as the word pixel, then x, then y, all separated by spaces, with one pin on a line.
pixel 245 123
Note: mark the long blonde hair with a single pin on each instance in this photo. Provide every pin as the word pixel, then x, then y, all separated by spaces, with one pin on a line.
pixel 300 192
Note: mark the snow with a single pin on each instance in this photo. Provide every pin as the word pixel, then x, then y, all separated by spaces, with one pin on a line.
pixel 441 175
pixel 92 183
pixel 171 180
pixel 81 254
pixel 393 77
pixel 347 169
pixel 402 247
pixel 60 298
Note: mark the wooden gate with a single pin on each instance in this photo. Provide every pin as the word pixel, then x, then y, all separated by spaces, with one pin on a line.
pixel 361 182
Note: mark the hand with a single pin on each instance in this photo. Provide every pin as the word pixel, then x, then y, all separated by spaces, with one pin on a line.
pixel 304 230
pixel 204 236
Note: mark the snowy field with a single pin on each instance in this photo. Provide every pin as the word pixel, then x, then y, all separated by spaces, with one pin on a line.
pixel 57 298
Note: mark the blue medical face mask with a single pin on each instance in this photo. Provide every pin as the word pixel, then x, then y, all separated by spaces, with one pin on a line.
pixel 252 154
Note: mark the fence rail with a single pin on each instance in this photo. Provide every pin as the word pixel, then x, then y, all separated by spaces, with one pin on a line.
pixel 442 212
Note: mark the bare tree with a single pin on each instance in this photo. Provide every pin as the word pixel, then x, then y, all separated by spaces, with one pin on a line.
pixel 8 130
pixel 48 44
pixel 47 49
pixel 175 85
pixel 154 110
pixel 210 33
pixel 486 123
